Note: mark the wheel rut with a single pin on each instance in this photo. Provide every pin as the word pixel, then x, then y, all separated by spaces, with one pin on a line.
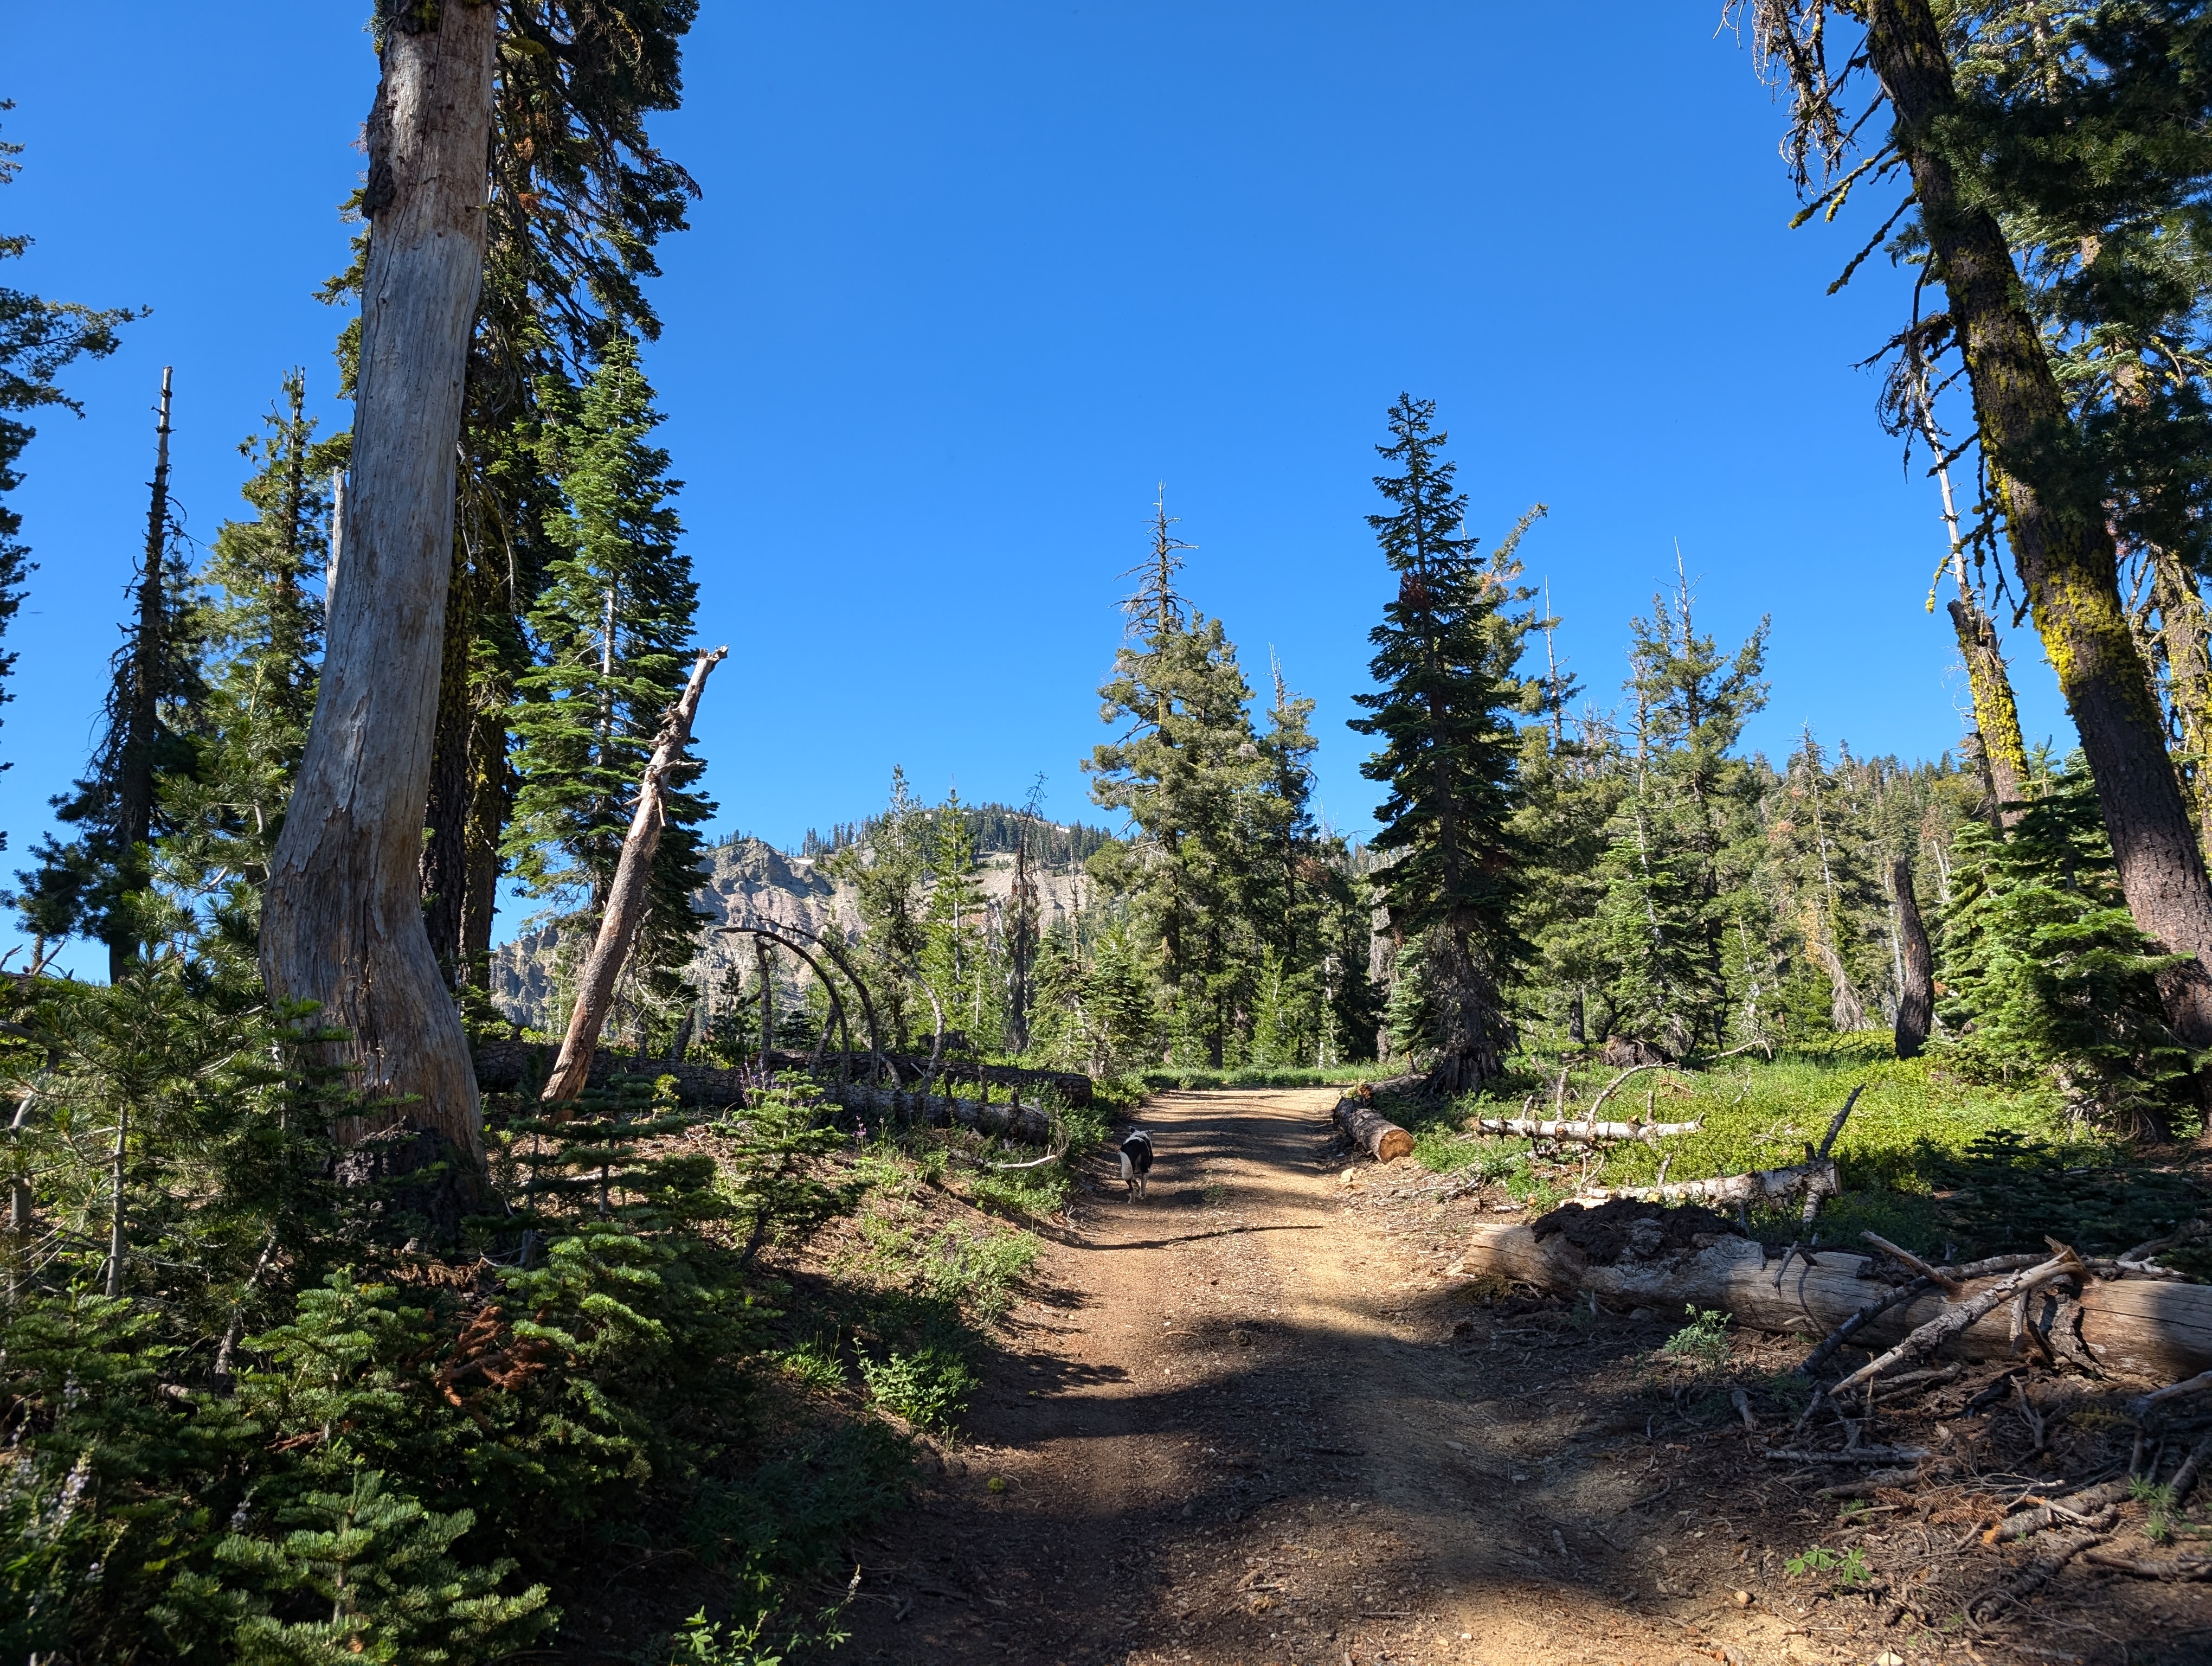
pixel 1239 1422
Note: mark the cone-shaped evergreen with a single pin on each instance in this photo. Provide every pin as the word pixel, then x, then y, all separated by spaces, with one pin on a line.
pixel 612 627
pixel 1445 658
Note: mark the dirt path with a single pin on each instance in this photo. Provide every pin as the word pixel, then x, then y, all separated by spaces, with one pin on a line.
pixel 1244 1424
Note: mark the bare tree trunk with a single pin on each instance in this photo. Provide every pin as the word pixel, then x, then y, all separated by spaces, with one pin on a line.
pixel 1997 715
pixel 2185 628
pixel 766 1000
pixel 626 896
pixel 115 1234
pixel 134 794
pixel 2060 541
pixel 1916 988
pixel 342 921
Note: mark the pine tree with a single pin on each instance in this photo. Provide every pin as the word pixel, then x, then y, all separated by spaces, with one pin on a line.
pixel 956 952
pixel 1182 771
pixel 1445 661
pixel 612 629
pixel 98 884
pixel 888 869
pixel 263 623
pixel 1998 126
pixel 2044 971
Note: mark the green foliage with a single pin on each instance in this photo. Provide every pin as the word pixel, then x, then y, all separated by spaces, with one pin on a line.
pixel 2046 970
pixel 1848 1566
pixel 1446 654
pixel 612 626
pixel 929 1387
pixel 1703 1342
pixel 2008 1191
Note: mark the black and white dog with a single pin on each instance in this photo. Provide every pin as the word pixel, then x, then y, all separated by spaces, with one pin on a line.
pixel 1136 1159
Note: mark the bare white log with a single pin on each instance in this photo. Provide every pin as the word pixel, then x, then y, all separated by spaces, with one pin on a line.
pixel 2141 1329
pixel 625 909
pixel 342 916
pixel 1586 1132
pixel 1817 1178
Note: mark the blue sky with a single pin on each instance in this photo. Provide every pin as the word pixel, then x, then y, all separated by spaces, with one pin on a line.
pixel 968 280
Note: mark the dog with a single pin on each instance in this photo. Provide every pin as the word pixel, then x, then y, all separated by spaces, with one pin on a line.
pixel 1136 1160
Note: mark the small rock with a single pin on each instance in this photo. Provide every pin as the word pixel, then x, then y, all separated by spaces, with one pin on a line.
pixel 1743 1601
pixel 1889 1658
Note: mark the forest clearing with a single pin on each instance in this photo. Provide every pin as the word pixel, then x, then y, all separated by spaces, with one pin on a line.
pixel 1661 1183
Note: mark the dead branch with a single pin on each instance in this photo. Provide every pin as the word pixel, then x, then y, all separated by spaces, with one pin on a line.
pixel 1905 1257
pixel 1581 1130
pixel 1924 1342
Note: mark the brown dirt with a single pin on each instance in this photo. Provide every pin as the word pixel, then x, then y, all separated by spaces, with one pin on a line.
pixel 1253 1419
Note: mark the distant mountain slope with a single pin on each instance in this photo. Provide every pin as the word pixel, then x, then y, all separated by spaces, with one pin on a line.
pixel 747 879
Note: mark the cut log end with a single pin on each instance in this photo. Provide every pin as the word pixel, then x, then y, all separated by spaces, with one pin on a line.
pixel 1372 1132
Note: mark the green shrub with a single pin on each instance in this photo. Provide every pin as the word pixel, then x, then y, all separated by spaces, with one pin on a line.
pixel 929 1387
pixel 1704 1340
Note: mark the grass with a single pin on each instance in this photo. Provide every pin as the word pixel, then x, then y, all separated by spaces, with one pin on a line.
pixel 1911 1119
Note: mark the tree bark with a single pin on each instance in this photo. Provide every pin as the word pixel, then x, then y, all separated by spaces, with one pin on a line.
pixel 626 896
pixel 342 921
pixel 1916 995
pixel 2061 544
pixel 2185 628
pixel 2151 1330
pixel 1996 714
pixel 1372 1132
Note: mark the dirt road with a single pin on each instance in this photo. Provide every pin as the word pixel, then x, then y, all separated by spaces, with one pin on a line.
pixel 1246 1420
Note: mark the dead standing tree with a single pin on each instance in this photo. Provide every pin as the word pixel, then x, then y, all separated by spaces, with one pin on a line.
pixel 342 921
pixel 626 897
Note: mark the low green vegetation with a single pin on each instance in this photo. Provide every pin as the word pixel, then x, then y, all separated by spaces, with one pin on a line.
pixel 264 1407
pixel 1931 1156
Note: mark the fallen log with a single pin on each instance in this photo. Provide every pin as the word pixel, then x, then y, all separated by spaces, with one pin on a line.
pixel 1372 1132
pixel 1589 1134
pixel 2145 1329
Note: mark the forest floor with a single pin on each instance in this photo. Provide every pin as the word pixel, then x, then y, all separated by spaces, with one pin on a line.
pixel 1258 1418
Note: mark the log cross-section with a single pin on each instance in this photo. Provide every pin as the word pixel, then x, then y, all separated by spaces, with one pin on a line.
pixel 1372 1132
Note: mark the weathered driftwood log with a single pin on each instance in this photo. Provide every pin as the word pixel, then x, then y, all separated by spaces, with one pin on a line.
pixel 2144 1329
pixel 1589 1134
pixel 1372 1132
pixel 1817 1178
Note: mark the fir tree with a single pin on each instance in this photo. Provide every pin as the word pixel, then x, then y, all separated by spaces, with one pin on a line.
pixel 888 869
pixel 263 623
pixel 1180 771
pixel 611 628
pixel 1446 658
pixel 956 952
pixel 98 884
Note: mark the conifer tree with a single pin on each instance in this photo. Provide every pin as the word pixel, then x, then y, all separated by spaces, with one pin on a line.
pixel 98 883
pixel 1996 129
pixel 263 625
pixel 611 628
pixel 1445 661
pixel 1186 770
pixel 888 871
pixel 955 958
